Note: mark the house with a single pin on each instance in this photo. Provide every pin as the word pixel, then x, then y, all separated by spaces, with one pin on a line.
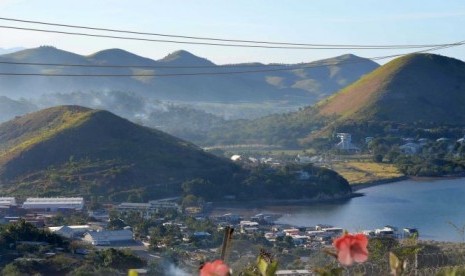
pixel 387 231
pixel 201 235
pixel 236 158
pixel 410 232
pixel 299 239
pixel 147 209
pixel 291 231
pixel 71 231
pixel 333 231
pixel 442 139
pixel 249 227
pixel 410 148
pixel 7 201
pixel 108 237
pixel 53 204
pixel 423 141
pixel 346 143
pixel 295 272
pixel 369 139
pixel 301 159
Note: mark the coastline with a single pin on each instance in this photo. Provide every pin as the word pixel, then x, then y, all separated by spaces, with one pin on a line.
pixel 357 187
pixel 317 200
pixel 267 202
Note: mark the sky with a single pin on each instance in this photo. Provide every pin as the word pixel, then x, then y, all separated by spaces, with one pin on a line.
pixel 309 21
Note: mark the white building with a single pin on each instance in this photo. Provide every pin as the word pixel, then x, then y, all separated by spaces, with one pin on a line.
pixel 108 237
pixel 7 201
pixel 53 204
pixel 295 272
pixel 346 142
pixel 70 231
pixel 302 159
pixel 147 209
pixel 410 148
pixel 236 158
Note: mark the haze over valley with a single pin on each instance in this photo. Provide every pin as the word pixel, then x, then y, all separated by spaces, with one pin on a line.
pixel 232 138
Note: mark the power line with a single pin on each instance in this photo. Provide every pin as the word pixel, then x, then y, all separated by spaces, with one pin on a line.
pixel 139 66
pixel 360 47
pixel 287 67
pixel 223 73
pixel 352 46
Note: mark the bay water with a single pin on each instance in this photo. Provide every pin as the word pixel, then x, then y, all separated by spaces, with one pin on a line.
pixel 431 206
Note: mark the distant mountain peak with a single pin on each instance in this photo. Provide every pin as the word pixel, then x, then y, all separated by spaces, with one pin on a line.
pixel 44 53
pixel 118 56
pixel 182 57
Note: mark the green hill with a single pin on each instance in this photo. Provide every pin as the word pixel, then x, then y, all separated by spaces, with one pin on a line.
pixel 418 91
pixel 414 88
pixel 71 150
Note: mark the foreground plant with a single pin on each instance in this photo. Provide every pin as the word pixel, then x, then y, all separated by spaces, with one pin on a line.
pixel 215 268
pixel 351 248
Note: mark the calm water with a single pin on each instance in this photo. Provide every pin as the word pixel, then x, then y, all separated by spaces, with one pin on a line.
pixel 427 205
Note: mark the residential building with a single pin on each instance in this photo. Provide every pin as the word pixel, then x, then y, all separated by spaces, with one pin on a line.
pixel 71 231
pixel 53 204
pixel 346 142
pixel 7 201
pixel 108 237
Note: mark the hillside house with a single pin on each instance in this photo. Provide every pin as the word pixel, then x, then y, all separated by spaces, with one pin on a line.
pixel 346 143
pixel 108 237
pixel 53 204
pixel 71 231
pixel 410 148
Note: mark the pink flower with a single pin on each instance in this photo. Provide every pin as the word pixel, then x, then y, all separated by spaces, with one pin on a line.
pixel 216 268
pixel 351 248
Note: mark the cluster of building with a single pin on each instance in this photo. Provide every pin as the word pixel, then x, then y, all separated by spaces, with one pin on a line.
pixel 313 237
pixel 38 210
pixel 147 209
pixel 413 146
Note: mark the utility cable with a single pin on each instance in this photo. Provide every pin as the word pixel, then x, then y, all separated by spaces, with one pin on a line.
pixel 218 44
pixel 219 39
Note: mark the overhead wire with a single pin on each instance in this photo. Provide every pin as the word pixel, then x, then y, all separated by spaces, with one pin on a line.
pixel 303 65
pixel 360 47
pixel 220 39
pixel 228 72
pixel 281 67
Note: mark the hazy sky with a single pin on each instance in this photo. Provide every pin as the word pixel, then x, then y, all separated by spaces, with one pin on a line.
pixel 304 21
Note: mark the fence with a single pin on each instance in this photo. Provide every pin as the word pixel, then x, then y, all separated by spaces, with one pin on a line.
pixel 417 265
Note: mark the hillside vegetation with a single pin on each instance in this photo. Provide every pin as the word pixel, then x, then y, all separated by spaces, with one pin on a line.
pixel 416 95
pixel 72 150
pixel 75 150
pixel 299 86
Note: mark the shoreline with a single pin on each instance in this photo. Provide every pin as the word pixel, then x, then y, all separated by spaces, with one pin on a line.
pixel 357 187
pixel 355 193
pixel 268 202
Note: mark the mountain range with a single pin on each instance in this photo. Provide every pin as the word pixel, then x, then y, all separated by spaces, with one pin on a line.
pixel 307 84
pixel 417 91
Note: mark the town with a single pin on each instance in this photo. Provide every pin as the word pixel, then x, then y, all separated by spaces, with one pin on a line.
pixel 150 230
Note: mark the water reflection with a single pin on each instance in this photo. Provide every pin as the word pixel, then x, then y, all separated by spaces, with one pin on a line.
pixel 428 205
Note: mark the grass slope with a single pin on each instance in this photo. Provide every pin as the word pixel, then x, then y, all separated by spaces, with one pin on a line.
pixel 73 150
pixel 402 90
pixel 421 89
